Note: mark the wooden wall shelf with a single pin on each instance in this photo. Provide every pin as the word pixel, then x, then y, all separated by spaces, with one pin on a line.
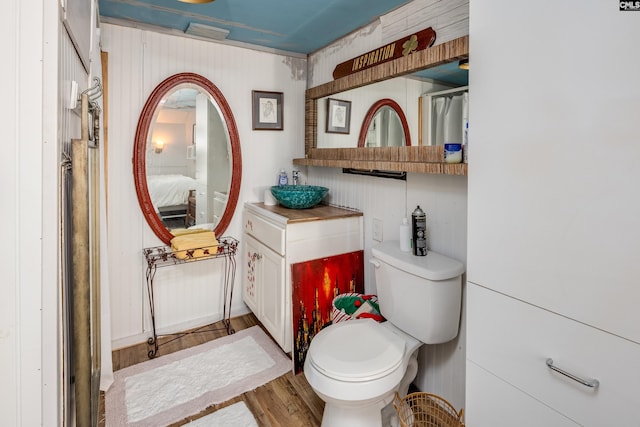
pixel 429 160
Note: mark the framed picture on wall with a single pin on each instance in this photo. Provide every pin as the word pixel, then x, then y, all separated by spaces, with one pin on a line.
pixel 267 110
pixel 338 116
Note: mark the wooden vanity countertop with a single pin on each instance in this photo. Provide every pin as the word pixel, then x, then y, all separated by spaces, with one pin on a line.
pixel 316 213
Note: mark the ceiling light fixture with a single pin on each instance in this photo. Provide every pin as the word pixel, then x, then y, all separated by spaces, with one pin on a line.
pixel 196 1
pixel 463 64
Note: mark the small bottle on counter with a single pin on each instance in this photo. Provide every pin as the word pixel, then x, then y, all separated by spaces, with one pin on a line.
pixel 405 236
pixel 419 232
pixel 283 179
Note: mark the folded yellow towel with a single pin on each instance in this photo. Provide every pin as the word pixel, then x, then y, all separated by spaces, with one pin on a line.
pixel 182 231
pixel 195 245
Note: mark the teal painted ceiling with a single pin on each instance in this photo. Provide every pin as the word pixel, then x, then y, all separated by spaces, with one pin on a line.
pixel 298 26
pixel 447 73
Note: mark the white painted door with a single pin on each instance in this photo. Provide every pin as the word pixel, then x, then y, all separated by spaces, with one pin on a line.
pixel 263 287
pixel 272 295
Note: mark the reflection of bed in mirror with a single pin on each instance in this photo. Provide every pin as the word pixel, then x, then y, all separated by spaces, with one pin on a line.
pixel 170 196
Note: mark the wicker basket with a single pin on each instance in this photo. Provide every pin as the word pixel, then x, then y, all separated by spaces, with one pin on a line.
pixel 426 410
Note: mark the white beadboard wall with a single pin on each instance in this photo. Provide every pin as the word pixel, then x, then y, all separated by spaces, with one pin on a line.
pixel 443 198
pixel 449 19
pixel 186 295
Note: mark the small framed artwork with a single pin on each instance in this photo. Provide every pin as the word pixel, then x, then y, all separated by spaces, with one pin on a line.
pixel 267 110
pixel 338 116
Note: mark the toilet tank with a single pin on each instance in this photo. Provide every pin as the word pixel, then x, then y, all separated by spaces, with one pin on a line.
pixel 420 295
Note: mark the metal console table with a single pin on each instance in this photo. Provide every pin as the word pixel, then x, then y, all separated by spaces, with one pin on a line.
pixel 162 256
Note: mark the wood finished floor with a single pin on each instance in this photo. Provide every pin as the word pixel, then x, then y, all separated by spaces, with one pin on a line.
pixel 287 401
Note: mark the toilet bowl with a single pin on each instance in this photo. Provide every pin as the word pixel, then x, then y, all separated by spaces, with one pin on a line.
pixel 357 366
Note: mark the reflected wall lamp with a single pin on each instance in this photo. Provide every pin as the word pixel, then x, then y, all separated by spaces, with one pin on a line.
pixel 463 64
pixel 158 146
pixel 196 1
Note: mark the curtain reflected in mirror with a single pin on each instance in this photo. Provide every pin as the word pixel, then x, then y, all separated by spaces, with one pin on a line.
pixel 385 125
pixel 385 129
pixel 187 157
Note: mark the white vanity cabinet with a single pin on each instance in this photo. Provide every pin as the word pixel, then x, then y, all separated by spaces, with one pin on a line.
pixel 276 237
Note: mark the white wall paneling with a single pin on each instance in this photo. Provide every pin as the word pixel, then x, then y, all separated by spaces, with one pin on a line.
pixel 138 61
pixel 30 340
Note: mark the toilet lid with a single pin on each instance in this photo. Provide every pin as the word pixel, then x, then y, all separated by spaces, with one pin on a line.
pixel 356 350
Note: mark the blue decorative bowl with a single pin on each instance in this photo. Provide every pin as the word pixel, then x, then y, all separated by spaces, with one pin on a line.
pixel 299 196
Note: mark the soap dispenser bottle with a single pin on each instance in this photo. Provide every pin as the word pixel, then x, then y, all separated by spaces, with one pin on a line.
pixel 283 179
pixel 405 236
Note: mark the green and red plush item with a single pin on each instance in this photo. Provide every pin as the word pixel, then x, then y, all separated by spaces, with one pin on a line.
pixel 349 306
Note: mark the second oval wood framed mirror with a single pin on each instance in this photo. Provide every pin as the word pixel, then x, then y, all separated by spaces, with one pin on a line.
pixel 187 163
pixel 385 125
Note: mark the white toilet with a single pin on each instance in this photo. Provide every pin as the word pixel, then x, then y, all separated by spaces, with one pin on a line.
pixel 356 366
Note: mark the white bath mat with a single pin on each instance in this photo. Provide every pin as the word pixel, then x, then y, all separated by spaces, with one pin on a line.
pixel 172 387
pixel 236 415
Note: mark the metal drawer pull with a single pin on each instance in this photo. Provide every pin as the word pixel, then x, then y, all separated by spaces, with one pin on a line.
pixel 593 383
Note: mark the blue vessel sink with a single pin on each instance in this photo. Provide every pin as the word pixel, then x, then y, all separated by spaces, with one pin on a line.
pixel 299 196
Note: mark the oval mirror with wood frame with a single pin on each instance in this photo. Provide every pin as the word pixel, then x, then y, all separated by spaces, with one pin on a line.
pixel 385 125
pixel 187 164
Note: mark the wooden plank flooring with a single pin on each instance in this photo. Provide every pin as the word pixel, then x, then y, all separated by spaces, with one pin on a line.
pixel 287 401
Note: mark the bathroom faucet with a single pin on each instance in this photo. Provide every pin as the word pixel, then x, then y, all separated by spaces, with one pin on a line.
pixel 294 176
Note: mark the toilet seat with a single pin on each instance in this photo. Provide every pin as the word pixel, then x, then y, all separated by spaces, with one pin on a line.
pixel 356 351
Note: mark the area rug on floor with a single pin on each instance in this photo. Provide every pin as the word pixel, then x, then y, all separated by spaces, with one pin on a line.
pixel 236 415
pixel 162 391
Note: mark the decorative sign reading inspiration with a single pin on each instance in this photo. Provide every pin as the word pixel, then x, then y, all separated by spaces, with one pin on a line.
pixel 399 48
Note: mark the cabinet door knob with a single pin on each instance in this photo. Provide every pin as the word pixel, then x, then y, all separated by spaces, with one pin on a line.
pixel 589 382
